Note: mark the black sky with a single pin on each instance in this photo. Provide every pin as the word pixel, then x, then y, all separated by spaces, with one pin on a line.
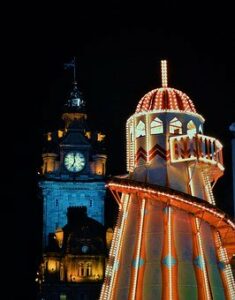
pixel 119 53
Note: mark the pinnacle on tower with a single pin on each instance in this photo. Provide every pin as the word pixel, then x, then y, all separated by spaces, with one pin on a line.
pixel 164 73
pixel 75 101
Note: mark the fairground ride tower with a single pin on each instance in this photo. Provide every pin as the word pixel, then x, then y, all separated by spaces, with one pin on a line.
pixel 170 241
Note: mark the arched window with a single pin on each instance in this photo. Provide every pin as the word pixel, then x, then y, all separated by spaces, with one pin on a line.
pixel 140 129
pixel 81 270
pixel 175 126
pixel 88 270
pixel 191 128
pixel 200 129
pixel 156 126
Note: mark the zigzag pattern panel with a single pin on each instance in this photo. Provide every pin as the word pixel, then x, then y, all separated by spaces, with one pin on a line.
pixel 141 153
pixel 156 150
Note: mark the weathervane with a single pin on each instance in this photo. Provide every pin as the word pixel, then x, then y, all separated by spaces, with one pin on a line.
pixel 72 65
pixel 75 99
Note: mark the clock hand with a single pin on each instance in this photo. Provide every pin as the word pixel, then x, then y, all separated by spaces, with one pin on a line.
pixel 74 160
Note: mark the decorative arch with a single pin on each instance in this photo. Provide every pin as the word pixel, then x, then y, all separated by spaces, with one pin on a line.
pixel 175 126
pixel 156 126
pixel 140 129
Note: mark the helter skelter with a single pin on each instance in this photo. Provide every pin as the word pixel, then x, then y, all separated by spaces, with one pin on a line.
pixel 170 240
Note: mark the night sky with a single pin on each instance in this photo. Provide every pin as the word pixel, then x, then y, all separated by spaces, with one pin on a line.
pixel 119 53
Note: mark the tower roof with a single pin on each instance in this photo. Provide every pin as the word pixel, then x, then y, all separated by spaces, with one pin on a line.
pixel 165 98
pixel 75 103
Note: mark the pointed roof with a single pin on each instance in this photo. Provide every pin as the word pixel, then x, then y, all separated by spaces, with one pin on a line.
pixel 74 135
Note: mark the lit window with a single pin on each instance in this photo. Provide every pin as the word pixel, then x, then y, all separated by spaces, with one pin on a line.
pixel 191 128
pixel 140 129
pixel 175 126
pixel 81 270
pixel 88 270
pixel 85 270
pixel 63 297
pixel 156 126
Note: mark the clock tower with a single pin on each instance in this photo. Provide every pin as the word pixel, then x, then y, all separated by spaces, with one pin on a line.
pixel 73 192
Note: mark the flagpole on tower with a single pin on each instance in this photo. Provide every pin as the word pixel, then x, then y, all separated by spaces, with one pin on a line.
pixel 72 65
pixel 74 69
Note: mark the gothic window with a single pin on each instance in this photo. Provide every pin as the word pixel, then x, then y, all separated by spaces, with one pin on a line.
pixel 175 126
pixel 140 129
pixel 191 128
pixel 156 126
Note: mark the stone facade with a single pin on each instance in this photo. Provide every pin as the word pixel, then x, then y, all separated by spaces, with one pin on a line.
pixel 59 195
pixel 72 187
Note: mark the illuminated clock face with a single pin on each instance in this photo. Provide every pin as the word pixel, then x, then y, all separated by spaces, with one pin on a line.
pixel 85 249
pixel 74 161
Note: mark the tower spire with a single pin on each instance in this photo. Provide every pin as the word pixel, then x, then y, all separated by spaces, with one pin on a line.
pixel 164 73
pixel 75 101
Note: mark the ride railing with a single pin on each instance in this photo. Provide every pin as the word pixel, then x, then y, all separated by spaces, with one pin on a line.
pixel 204 149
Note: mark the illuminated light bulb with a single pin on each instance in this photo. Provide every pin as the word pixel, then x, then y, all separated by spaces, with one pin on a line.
pixel 164 73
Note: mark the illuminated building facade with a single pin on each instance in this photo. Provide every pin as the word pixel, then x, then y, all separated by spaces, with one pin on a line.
pixel 170 241
pixel 232 129
pixel 73 193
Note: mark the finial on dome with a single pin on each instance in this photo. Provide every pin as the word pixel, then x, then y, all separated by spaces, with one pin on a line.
pixel 164 73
